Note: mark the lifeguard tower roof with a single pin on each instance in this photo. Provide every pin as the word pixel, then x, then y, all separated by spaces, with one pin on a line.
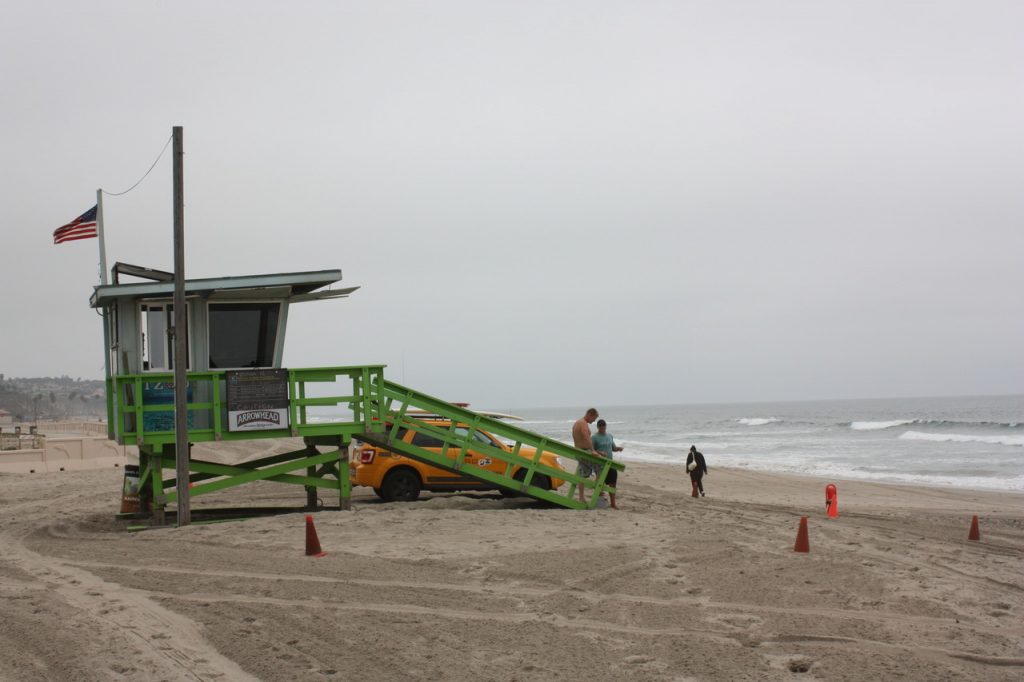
pixel 232 322
pixel 295 286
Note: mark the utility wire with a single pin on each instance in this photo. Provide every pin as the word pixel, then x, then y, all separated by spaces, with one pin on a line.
pixel 117 194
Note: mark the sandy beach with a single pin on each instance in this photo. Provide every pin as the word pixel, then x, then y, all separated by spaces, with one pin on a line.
pixel 476 587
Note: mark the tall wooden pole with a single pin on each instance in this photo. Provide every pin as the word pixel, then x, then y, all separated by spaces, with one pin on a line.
pixel 102 238
pixel 181 450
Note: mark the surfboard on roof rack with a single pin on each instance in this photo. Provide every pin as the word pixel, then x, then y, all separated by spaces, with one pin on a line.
pixel 493 415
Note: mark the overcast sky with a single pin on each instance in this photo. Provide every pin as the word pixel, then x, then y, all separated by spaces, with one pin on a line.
pixel 545 203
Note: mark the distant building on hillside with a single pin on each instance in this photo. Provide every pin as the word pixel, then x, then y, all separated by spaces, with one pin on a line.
pixel 6 417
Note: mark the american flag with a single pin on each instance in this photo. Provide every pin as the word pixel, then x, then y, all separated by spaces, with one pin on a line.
pixel 82 227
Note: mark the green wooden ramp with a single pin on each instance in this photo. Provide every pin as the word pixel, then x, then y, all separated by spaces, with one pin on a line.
pixel 404 409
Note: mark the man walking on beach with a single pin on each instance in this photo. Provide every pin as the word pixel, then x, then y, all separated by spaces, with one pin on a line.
pixel 581 439
pixel 604 443
pixel 697 467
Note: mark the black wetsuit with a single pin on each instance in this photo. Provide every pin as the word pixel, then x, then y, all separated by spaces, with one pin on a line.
pixel 697 475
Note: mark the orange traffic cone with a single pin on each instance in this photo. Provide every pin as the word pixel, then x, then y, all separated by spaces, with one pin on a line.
pixel 312 542
pixel 831 501
pixel 802 544
pixel 974 534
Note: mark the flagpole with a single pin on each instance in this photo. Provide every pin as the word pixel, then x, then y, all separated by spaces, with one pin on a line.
pixel 111 418
pixel 99 233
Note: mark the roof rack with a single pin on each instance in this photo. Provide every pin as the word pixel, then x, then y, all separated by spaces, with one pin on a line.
pixel 426 414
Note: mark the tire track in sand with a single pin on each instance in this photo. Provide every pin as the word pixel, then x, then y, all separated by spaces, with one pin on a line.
pixel 163 643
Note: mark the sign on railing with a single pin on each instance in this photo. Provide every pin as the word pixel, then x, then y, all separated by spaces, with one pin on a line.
pixel 257 399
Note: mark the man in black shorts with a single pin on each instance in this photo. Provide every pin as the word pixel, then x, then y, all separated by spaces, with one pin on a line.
pixel 605 445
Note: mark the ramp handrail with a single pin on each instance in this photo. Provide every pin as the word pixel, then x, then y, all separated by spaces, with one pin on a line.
pixel 398 400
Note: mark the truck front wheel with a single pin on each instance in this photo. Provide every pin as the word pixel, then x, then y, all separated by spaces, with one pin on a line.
pixel 401 485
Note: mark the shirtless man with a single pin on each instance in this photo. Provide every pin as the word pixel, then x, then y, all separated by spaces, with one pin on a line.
pixel 581 439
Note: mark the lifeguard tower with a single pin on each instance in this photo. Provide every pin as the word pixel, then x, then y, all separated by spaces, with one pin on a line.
pixel 238 390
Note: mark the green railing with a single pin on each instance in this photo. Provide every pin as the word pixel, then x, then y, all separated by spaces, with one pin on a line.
pixel 353 391
pixel 519 470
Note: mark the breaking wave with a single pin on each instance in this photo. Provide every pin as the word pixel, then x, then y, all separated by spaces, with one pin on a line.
pixel 878 426
pixel 757 421
pixel 962 438
pixel 946 422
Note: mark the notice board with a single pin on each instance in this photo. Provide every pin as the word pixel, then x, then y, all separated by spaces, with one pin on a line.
pixel 257 399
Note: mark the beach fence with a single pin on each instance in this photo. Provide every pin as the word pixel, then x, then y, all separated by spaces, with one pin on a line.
pixel 12 440
pixel 75 427
pixel 30 453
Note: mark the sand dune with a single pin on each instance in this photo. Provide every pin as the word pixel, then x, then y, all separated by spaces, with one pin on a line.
pixel 475 587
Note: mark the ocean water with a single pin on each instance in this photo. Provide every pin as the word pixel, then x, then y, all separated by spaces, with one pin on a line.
pixel 968 442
